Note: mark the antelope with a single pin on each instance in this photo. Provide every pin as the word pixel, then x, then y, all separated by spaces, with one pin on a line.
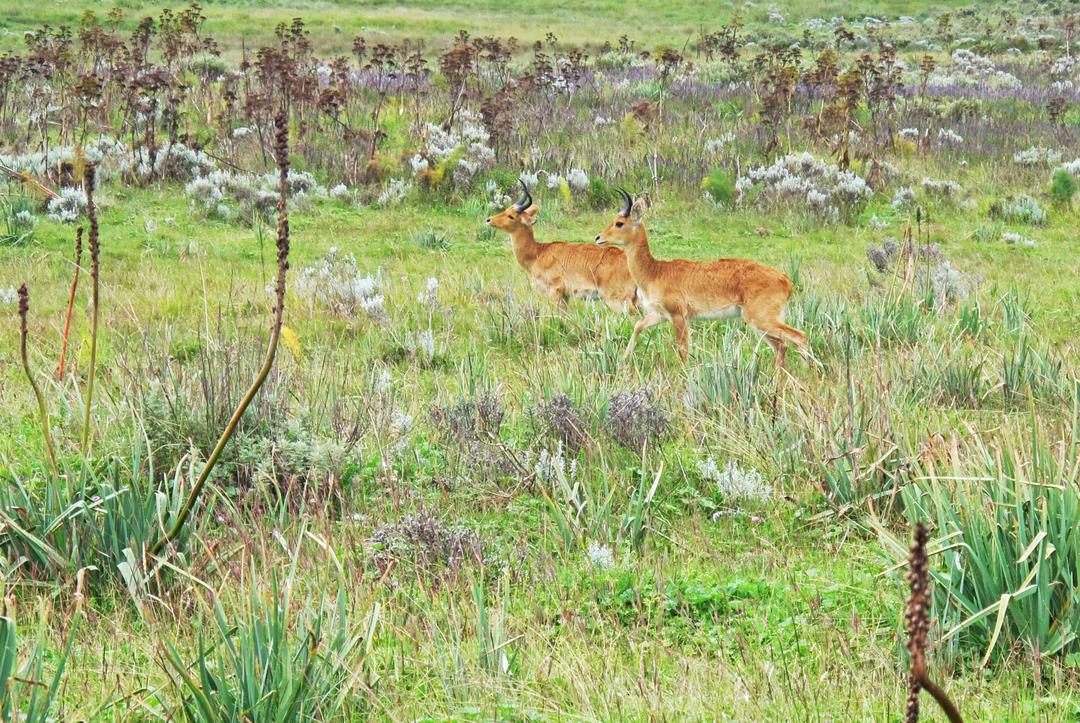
pixel 679 290
pixel 566 269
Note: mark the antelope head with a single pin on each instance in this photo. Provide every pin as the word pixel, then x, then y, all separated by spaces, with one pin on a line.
pixel 518 216
pixel 627 224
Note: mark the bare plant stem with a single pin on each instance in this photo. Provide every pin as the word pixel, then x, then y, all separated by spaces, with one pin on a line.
pixel 939 695
pixel 24 311
pixel 27 179
pixel 95 275
pixel 71 303
pixel 281 149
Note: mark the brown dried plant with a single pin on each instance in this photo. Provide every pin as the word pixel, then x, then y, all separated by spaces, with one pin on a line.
pixel 281 152
pixel 918 628
pixel 24 312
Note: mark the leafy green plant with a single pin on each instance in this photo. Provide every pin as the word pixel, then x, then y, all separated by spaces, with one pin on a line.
pixel 888 322
pixel 719 186
pixel 640 515
pixel 278 663
pixel 1026 369
pixel 600 194
pixel 579 513
pixel 495 654
pixel 102 517
pixel 24 694
pixel 726 378
pixel 865 457
pixel 1006 563
pixel 971 320
pixel 1063 186
pixel 17 220
pixel 432 240
pixel 988 232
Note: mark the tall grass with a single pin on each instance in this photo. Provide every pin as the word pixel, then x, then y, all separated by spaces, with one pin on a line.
pixel 100 517
pixel 26 694
pixel 89 179
pixel 280 661
pixel 1007 563
pixel 43 410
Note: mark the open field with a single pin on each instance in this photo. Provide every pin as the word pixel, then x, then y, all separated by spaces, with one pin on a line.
pixel 335 23
pixel 453 499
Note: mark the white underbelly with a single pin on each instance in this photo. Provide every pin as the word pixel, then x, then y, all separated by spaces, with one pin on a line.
pixel 654 306
pixel 727 312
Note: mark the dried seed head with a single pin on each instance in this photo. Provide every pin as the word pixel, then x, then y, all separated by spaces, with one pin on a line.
pixel 24 309
pixel 89 174
pixel 918 619
pixel 281 154
pixel 912 715
pixel 918 613
pixel 78 245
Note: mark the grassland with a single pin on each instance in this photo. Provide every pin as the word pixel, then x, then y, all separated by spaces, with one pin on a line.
pixel 499 569
pixel 334 24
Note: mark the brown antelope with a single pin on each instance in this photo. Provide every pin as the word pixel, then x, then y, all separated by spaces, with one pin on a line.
pixel 566 269
pixel 682 290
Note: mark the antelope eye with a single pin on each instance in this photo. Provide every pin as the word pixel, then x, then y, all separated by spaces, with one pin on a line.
pixel 510 217
pixel 618 224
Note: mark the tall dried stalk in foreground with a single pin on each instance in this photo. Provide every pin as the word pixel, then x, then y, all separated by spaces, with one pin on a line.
pixel 71 302
pixel 24 311
pixel 918 625
pixel 281 152
pixel 95 275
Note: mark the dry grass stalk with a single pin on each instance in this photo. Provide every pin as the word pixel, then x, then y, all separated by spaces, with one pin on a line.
pixel 24 311
pixel 281 152
pixel 918 626
pixel 71 302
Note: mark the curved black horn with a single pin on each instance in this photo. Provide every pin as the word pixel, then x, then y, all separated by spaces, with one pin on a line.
pixel 627 203
pixel 526 199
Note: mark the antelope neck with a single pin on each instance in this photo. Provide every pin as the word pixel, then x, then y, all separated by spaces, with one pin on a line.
pixel 526 248
pixel 639 258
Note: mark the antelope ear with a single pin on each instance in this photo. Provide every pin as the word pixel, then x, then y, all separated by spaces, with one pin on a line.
pixel 528 216
pixel 637 211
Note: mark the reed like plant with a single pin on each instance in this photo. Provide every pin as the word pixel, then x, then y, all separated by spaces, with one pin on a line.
pixel 280 661
pixel 281 151
pixel 97 517
pixel 24 696
pixel 1008 545
pixel 71 302
pixel 43 410
pixel 495 654
pixel 89 178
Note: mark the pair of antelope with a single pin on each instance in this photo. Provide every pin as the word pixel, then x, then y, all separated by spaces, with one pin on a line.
pixel 676 290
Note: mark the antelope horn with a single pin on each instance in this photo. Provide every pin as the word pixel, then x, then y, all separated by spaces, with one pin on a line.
pixel 628 203
pixel 526 199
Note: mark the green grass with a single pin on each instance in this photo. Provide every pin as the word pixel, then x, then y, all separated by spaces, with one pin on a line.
pixel 333 24
pixel 788 614
pixel 786 609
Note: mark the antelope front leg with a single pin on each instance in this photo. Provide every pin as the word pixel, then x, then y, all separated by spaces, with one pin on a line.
pixel 651 318
pixel 682 335
pixel 558 295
